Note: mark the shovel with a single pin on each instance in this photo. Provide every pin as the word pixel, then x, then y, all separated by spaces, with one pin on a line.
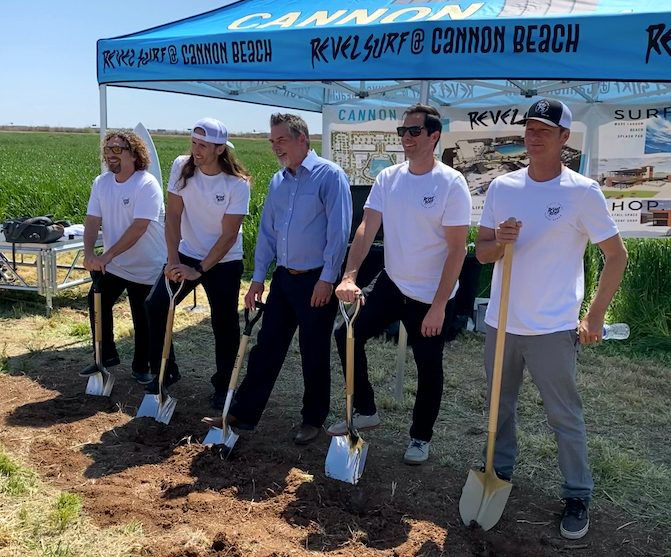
pixel 485 495
pixel 347 453
pixel 161 406
pixel 100 381
pixel 224 434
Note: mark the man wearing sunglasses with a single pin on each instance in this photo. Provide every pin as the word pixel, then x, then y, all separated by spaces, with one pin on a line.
pixel 425 208
pixel 127 202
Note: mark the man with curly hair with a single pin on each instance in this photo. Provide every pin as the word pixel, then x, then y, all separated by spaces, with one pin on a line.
pixel 127 202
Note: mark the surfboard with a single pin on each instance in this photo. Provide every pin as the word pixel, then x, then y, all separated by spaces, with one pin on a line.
pixel 154 166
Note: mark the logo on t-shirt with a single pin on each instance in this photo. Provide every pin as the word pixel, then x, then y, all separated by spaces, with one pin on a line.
pixel 553 211
pixel 220 198
pixel 428 200
pixel 125 201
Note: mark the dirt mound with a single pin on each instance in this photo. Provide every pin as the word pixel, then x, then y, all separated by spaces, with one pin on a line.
pixel 270 498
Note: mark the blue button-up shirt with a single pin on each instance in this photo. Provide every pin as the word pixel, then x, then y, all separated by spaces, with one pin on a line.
pixel 306 219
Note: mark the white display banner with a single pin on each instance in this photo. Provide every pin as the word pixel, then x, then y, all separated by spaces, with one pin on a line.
pixel 632 164
pixel 626 150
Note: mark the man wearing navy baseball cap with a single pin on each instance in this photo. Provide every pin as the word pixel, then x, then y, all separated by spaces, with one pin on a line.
pixel 561 210
pixel 208 197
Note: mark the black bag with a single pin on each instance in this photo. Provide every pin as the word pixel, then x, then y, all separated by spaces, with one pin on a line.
pixel 31 230
pixel 35 230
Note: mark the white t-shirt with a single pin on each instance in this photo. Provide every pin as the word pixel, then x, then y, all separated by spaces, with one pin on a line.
pixel 119 204
pixel 558 217
pixel 206 200
pixel 414 211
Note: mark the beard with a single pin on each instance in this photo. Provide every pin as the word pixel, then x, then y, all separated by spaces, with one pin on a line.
pixel 114 167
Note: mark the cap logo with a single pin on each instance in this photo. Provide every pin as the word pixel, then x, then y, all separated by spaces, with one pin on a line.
pixel 542 107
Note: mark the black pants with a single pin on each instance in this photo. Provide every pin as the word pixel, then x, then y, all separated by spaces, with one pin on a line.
pixel 222 286
pixel 385 304
pixel 288 307
pixel 111 287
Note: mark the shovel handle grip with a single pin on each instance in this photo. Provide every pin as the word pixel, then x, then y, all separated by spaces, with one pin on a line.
pixel 249 325
pixel 95 280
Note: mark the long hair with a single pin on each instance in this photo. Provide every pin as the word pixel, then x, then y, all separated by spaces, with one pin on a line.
pixel 228 163
pixel 138 148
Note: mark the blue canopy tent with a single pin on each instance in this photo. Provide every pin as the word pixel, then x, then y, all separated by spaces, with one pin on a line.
pixel 296 55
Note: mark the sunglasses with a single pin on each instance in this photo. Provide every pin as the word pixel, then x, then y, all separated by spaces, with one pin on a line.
pixel 116 149
pixel 414 130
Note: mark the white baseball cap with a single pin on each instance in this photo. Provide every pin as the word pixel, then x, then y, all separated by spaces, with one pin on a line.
pixel 215 132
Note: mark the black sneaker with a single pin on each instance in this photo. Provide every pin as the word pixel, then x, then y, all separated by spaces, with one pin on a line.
pixel 142 378
pixel 111 362
pixel 575 518
pixel 152 388
pixel 218 399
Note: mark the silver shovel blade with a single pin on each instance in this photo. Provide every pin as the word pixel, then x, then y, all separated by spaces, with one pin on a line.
pixel 152 408
pixel 100 384
pixel 345 463
pixel 216 437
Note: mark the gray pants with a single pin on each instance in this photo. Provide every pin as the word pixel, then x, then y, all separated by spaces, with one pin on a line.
pixel 551 360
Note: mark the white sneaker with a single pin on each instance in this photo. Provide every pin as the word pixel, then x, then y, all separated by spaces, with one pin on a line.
pixel 359 421
pixel 417 452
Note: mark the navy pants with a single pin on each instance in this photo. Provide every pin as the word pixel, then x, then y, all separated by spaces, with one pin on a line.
pixel 288 308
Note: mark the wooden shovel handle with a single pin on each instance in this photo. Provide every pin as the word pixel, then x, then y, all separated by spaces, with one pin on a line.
pixel 498 355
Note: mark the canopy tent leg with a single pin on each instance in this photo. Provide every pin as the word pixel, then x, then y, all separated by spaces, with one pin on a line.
pixel 424 92
pixel 103 117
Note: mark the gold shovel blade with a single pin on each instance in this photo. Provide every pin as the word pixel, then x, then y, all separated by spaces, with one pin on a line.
pixel 483 499
pixel 344 462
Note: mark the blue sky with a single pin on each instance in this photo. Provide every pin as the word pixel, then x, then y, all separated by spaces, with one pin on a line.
pixel 48 68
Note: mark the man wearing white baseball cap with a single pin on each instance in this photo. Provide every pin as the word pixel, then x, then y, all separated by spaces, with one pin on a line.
pixel 561 211
pixel 208 198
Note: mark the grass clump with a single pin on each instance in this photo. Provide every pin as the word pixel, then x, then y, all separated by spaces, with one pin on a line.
pixel 67 509
pixel 39 521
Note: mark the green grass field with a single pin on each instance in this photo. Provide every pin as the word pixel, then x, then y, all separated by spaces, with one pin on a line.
pixel 52 173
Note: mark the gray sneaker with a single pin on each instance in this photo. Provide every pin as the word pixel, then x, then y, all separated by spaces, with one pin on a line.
pixel 359 421
pixel 417 452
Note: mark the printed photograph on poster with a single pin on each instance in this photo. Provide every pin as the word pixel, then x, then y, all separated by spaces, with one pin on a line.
pixel 364 154
pixel 363 141
pixel 635 173
pixel 483 155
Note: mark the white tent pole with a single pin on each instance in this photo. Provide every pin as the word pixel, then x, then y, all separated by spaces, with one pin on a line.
pixel 424 92
pixel 103 117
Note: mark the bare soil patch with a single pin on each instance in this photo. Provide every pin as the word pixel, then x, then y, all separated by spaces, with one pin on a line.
pixel 270 498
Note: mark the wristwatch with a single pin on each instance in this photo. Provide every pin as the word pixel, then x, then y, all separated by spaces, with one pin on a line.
pixel 198 267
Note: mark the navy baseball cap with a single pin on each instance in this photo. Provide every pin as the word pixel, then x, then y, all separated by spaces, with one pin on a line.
pixel 550 112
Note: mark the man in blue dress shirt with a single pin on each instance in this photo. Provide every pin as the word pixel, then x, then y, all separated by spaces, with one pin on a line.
pixel 305 227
